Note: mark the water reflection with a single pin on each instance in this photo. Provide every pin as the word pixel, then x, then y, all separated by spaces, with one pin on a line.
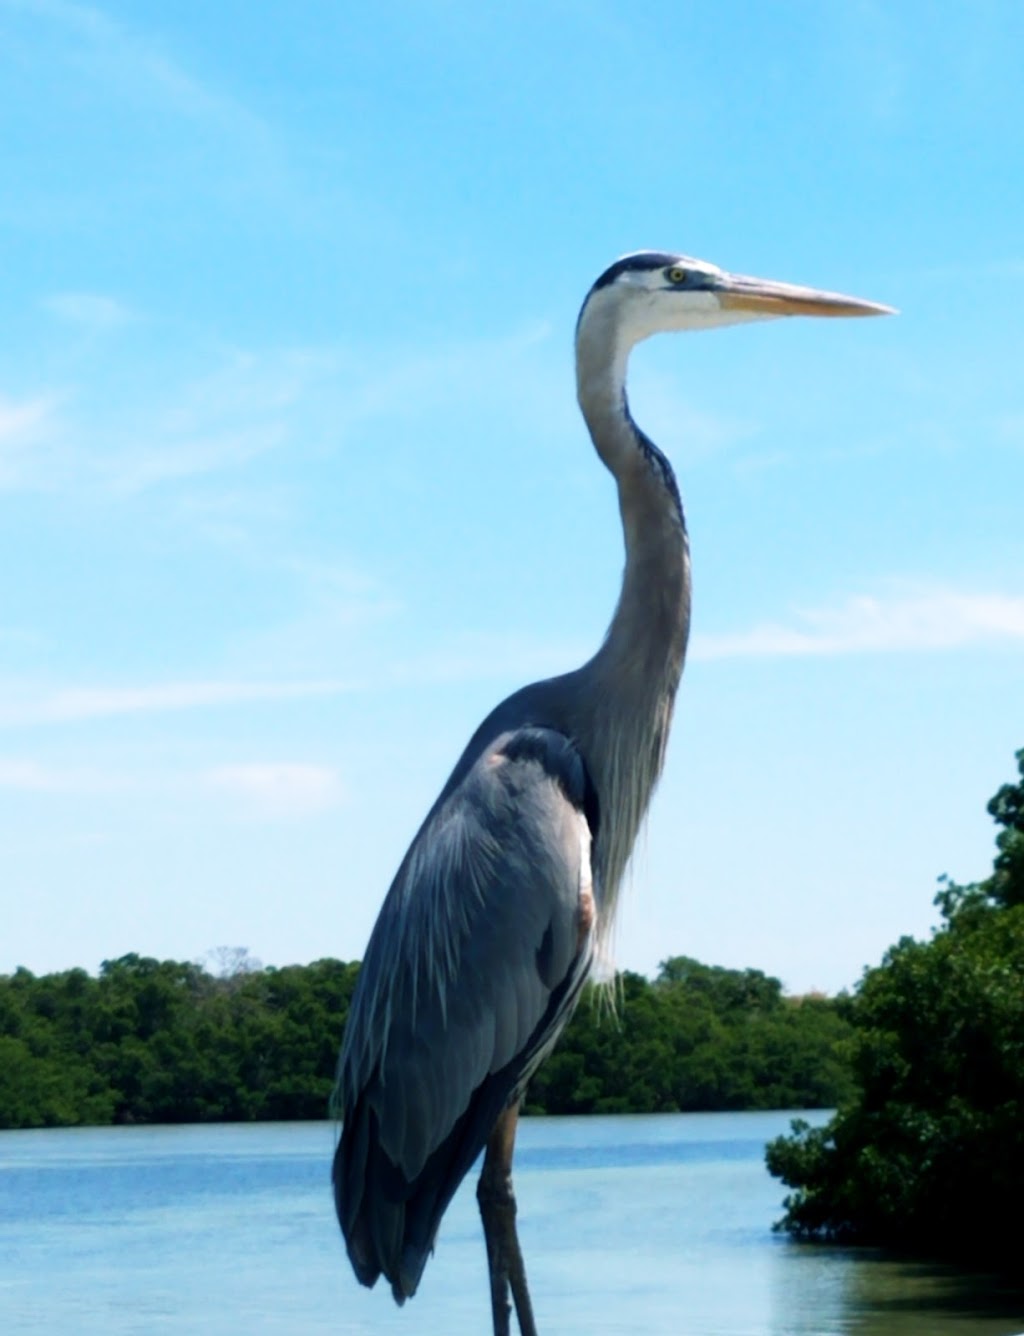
pixel 887 1298
pixel 657 1226
pixel 832 1291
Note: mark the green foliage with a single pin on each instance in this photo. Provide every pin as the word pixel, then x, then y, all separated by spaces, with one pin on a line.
pixel 163 1041
pixel 700 1037
pixel 1006 885
pixel 928 1154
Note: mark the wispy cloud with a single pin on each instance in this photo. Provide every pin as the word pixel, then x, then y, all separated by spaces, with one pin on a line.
pixel 1011 429
pixel 19 637
pixel 187 457
pixel 245 405
pixel 249 402
pixel 468 658
pixel 79 704
pixel 22 421
pixel 277 788
pixel 128 79
pixel 935 619
pixel 91 311
pixel 264 789
pixel 27 776
pixel 129 63
pixel 28 428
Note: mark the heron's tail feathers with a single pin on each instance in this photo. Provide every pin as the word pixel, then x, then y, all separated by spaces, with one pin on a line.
pixel 389 1224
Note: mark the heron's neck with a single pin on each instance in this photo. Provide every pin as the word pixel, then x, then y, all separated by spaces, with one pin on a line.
pixel 628 689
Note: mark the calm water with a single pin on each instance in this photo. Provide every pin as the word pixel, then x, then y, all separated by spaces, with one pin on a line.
pixel 652 1225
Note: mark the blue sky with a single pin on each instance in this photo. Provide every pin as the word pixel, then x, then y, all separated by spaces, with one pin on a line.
pixel 293 487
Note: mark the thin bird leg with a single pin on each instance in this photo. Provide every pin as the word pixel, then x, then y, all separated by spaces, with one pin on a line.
pixel 498 1212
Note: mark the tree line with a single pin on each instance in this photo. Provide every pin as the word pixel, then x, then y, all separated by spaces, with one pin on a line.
pixel 169 1041
pixel 926 1153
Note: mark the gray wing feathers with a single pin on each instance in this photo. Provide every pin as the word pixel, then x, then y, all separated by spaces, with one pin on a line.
pixel 479 927
pixel 473 968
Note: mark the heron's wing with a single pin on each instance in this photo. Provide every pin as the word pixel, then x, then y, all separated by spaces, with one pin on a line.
pixel 474 966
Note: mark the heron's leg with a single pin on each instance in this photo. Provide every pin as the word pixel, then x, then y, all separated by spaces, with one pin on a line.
pixel 498 1212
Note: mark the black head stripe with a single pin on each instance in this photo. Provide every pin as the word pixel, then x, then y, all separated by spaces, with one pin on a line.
pixel 643 260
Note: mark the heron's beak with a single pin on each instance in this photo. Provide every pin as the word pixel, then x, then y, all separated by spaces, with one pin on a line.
pixel 763 296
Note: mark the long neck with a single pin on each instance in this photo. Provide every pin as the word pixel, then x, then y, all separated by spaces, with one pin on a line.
pixel 625 694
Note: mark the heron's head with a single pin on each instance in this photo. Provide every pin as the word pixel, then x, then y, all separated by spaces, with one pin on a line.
pixel 651 291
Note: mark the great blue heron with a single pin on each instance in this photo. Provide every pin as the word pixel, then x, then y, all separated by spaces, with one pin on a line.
pixel 487 934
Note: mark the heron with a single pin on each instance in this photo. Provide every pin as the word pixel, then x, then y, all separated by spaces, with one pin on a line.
pixel 508 890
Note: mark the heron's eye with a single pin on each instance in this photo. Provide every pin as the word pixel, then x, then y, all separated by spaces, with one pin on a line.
pixel 676 274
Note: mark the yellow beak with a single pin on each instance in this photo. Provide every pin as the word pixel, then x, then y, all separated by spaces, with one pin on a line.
pixel 763 296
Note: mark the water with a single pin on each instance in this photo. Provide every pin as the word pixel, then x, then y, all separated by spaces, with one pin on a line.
pixel 629 1225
